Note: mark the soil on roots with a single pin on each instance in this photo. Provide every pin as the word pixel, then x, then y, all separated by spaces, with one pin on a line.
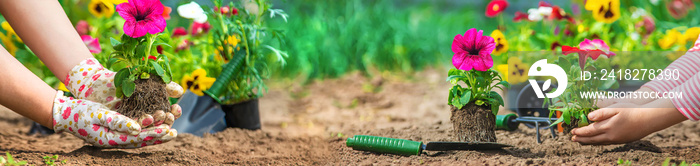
pixel 149 96
pixel 474 123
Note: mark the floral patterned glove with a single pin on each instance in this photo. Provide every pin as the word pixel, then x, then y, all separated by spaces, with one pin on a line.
pixel 97 125
pixel 90 81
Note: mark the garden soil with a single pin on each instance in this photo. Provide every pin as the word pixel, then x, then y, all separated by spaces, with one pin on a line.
pixel 308 125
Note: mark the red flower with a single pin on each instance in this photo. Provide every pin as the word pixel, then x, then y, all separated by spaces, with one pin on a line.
pixel 544 4
pixel 234 11
pixel 200 28
pixel 142 16
pixel 520 16
pixel 159 49
pixel 495 7
pixel 166 12
pixel 150 57
pixel 559 14
pixel 82 132
pixel 179 31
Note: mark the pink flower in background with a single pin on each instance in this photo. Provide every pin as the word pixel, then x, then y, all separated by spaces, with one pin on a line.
pixel 588 48
pixel 92 44
pixel 82 27
pixel 179 31
pixel 200 28
pixel 142 16
pixel 473 50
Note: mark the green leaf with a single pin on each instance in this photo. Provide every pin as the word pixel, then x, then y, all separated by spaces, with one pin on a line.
pixel 504 83
pixel 120 92
pixel 128 88
pixel 464 99
pixel 120 76
pixel 453 79
pixel 497 97
pixel 111 62
pixel 564 64
pixel 167 65
pixel 159 70
pixel 114 42
pixel 9 158
pixel 166 78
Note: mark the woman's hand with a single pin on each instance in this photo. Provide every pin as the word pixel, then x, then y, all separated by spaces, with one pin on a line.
pixel 627 122
pixel 97 125
pixel 89 80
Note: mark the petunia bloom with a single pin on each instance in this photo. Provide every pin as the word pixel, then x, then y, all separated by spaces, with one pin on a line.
pixel 473 51
pixel 607 11
pixel 192 10
pixel 537 14
pixel 92 44
pixel 142 16
pixel 672 36
pixel 495 7
pixel 501 42
pixel 82 27
pixel 588 48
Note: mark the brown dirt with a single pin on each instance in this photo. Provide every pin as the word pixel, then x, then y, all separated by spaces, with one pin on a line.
pixel 308 125
pixel 473 123
pixel 152 89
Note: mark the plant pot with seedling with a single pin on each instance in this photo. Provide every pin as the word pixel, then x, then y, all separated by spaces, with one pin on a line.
pixel 574 107
pixel 472 101
pixel 240 49
pixel 142 74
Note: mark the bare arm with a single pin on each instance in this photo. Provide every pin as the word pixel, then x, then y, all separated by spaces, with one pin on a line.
pixel 23 92
pixel 45 28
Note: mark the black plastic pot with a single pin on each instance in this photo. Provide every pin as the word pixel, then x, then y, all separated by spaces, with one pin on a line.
pixel 245 115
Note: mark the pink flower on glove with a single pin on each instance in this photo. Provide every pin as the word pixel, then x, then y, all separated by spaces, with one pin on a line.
pixel 81 88
pixel 88 92
pixel 95 77
pixel 82 132
pixel 95 127
pixel 66 113
pixel 113 143
pixel 76 117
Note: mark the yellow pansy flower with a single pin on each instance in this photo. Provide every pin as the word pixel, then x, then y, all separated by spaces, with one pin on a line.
pixel 117 2
pixel 691 34
pixel 672 36
pixel 503 70
pixel 10 32
pixel 197 82
pixel 517 70
pixel 607 11
pixel 7 42
pixel 101 8
pixel 501 42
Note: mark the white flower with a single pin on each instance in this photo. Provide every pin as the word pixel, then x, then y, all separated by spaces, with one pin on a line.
pixel 192 10
pixel 251 7
pixel 639 12
pixel 654 2
pixel 537 14
pixel 635 36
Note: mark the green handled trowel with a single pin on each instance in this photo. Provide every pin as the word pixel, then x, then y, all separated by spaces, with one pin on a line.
pixel 408 147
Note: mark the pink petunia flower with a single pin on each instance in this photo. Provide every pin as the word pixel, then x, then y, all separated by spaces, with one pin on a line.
pixel 588 48
pixel 473 50
pixel 82 27
pixel 92 44
pixel 142 16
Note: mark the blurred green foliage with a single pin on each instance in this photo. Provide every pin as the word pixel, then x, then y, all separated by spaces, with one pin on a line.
pixel 326 39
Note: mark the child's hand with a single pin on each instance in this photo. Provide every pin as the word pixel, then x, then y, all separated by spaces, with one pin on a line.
pixel 627 122
pixel 97 125
pixel 89 80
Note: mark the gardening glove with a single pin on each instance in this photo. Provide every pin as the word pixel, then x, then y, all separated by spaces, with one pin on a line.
pixel 97 125
pixel 90 81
